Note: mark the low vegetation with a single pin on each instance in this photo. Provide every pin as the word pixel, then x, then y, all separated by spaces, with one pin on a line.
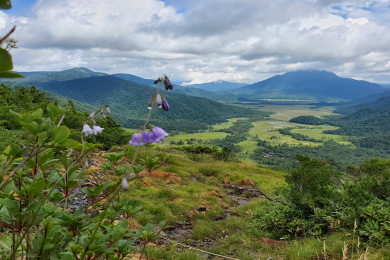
pixel 211 202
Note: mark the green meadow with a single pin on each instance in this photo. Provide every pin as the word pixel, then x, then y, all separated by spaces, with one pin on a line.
pixel 317 132
pixel 267 130
pixel 204 136
pixel 286 112
pixel 227 124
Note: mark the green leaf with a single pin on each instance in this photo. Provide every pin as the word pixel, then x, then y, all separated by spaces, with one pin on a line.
pixel 35 188
pixel 30 127
pixel 70 143
pixel 4 246
pixel 5 60
pixel 8 74
pixel 60 133
pixel 9 203
pixel 53 110
pixel 5 4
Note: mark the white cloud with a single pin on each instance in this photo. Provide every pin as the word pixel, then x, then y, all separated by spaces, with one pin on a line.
pixel 203 40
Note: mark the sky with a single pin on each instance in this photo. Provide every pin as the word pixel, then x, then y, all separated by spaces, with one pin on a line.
pixel 198 41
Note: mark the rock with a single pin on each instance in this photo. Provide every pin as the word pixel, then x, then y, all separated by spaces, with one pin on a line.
pixel 246 182
pixel 241 191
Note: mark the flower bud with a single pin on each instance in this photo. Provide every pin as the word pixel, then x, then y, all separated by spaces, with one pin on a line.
pixel 92 115
pixel 158 100
pixel 125 185
pixel 165 105
pixel 167 83
pixel 152 100
pixel 108 111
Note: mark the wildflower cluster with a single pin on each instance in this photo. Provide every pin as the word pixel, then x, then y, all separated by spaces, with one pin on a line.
pixel 153 134
pixel 157 98
pixel 159 101
pixel 156 135
pixel 148 134
pixel 87 130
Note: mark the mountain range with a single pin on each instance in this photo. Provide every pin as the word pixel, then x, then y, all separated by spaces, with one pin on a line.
pixel 128 100
pixel 191 105
pixel 218 86
pixel 309 85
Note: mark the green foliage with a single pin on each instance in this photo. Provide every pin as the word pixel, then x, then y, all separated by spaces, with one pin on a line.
pixel 340 156
pixel 5 4
pixel 38 179
pixel 307 120
pixel 6 64
pixel 318 205
pixel 238 133
pixel 20 100
pixel 310 185
pixel 299 137
pixel 209 171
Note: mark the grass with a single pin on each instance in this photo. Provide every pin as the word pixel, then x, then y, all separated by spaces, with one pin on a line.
pixel 227 124
pixel 205 136
pixel 268 131
pixel 317 132
pixel 228 228
pixel 286 112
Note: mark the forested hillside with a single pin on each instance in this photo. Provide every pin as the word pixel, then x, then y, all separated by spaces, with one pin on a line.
pixel 187 90
pixel 128 100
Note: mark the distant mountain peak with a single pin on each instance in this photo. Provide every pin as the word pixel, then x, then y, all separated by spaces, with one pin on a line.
pixel 309 84
pixel 81 69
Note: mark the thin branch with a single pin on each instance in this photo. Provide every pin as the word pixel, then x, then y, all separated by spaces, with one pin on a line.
pixel 7 35
pixel 22 163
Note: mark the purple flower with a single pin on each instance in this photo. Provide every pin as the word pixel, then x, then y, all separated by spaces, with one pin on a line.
pixel 125 185
pixel 159 100
pixel 165 105
pixel 87 130
pixel 158 134
pixel 137 139
pixel 97 129
pixel 143 137
pixel 167 83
